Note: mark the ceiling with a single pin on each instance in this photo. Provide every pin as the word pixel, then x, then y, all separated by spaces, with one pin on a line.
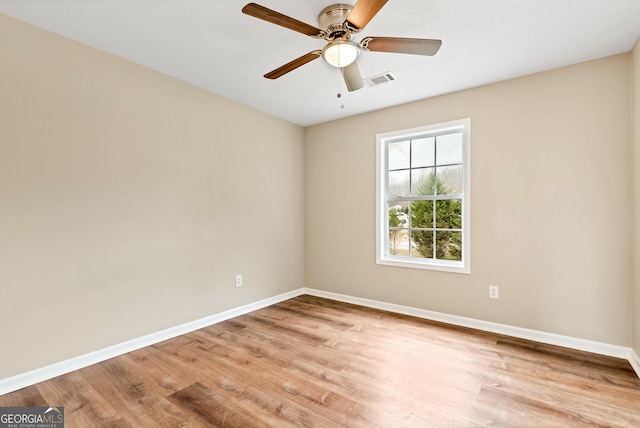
pixel 214 46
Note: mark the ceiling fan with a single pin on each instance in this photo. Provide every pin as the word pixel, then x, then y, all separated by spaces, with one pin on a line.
pixel 339 23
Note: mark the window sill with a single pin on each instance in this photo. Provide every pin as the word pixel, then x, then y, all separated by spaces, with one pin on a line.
pixel 440 265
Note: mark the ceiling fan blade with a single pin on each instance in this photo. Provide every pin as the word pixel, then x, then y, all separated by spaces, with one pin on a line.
pixel 401 45
pixel 363 12
pixel 290 66
pixel 352 77
pixel 277 18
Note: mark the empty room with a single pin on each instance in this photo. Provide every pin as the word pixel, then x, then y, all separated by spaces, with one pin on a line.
pixel 399 213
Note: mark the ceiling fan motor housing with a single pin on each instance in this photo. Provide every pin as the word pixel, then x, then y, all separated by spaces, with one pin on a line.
pixel 332 19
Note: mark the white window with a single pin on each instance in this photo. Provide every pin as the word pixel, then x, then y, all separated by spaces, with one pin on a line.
pixel 423 187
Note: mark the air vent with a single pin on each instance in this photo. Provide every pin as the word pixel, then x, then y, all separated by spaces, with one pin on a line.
pixel 379 79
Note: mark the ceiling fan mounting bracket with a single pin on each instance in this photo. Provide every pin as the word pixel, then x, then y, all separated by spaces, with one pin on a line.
pixel 364 43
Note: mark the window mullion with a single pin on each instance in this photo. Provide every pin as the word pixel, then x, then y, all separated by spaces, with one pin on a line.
pixel 435 192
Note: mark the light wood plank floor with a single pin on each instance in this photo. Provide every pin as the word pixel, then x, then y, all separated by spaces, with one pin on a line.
pixel 312 362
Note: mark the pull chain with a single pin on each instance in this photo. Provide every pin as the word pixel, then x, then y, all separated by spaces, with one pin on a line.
pixel 339 94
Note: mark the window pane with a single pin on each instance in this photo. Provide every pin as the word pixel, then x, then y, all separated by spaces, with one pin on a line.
pixel 422 244
pixel 399 155
pixel 422 214
pixel 449 180
pixel 449 214
pixel 422 181
pixel 422 152
pixel 399 214
pixel 449 149
pixel 449 245
pixel 398 242
pixel 398 183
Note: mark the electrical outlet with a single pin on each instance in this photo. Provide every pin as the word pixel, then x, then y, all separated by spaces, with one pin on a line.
pixel 494 292
pixel 238 280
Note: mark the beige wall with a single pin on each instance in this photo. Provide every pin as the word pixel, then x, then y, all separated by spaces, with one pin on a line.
pixel 129 201
pixel 551 198
pixel 636 144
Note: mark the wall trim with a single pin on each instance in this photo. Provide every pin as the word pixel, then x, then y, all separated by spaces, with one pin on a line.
pixel 24 380
pixel 519 332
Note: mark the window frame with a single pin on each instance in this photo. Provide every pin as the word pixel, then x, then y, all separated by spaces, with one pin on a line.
pixel 382 201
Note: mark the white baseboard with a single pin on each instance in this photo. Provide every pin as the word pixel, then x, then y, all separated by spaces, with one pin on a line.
pixel 635 362
pixel 523 333
pixel 23 380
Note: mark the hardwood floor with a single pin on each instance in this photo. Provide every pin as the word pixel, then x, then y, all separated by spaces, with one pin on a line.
pixel 312 362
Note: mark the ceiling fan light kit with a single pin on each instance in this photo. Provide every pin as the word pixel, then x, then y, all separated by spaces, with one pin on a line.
pixel 339 23
pixel 340 53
